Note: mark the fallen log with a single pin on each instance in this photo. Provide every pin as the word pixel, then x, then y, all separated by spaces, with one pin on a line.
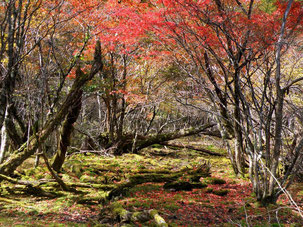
pixel 170 136
pixel 133 143
pixel 192 148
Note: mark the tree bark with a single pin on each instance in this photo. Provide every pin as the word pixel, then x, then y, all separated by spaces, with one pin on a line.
pixel 279 110
pixel 126 144
pixel 3 141
pixel 67 129
pixel 28 149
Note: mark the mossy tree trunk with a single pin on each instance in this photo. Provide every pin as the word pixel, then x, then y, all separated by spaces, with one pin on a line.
pixel 30 147
pixel 126 144
pixel 67 129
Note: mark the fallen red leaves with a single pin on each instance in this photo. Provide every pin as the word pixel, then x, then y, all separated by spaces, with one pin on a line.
pixel 202 208
pixel 196 207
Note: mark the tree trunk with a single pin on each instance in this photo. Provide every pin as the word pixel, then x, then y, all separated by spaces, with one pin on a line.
pixel 126 143
pixel 3 144
pixel 66 131
pixel 237 126
pixel 28 149
pixel 278 113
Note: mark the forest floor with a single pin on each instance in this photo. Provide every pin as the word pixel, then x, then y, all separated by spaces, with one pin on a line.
pixel 225 200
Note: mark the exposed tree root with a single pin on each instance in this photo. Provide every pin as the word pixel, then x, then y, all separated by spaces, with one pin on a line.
pixel 11 201
pixel 57 178
pixel 15 181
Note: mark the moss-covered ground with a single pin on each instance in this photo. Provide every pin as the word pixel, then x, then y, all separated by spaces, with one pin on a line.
pixel 222 200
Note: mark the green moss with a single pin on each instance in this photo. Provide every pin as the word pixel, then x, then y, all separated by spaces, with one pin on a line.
pixel 142 203
pixel 295 225
pixel 276 225
pixel 126 225
pixel 66 177
pixel 76 169
pixel 300 193
pixel 157 146
pixel 213 180
pixel 199 185
pixel 257 204
pixel 171 207
pixel 209 190
pixel 87 178
pixel 118 209
pixel 158 219
pixel 114 165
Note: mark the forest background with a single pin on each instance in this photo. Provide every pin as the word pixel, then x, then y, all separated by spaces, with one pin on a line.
pixel 115 77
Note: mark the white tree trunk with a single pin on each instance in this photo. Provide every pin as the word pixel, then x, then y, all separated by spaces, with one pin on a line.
pixel 3 137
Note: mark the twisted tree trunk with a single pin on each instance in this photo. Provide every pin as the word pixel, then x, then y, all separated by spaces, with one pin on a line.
pixel 67 129
pixel 28 149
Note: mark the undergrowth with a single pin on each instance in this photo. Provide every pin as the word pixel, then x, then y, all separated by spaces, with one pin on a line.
pixel 224 199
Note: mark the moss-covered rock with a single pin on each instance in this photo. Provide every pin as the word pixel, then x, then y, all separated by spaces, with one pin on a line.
pixel 36 173
pixel 160 222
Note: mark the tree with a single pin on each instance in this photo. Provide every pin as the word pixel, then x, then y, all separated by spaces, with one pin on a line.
pixel 16 19
pixel 222 57
pixel 34 59
pixel 29 148
pixel 223 41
